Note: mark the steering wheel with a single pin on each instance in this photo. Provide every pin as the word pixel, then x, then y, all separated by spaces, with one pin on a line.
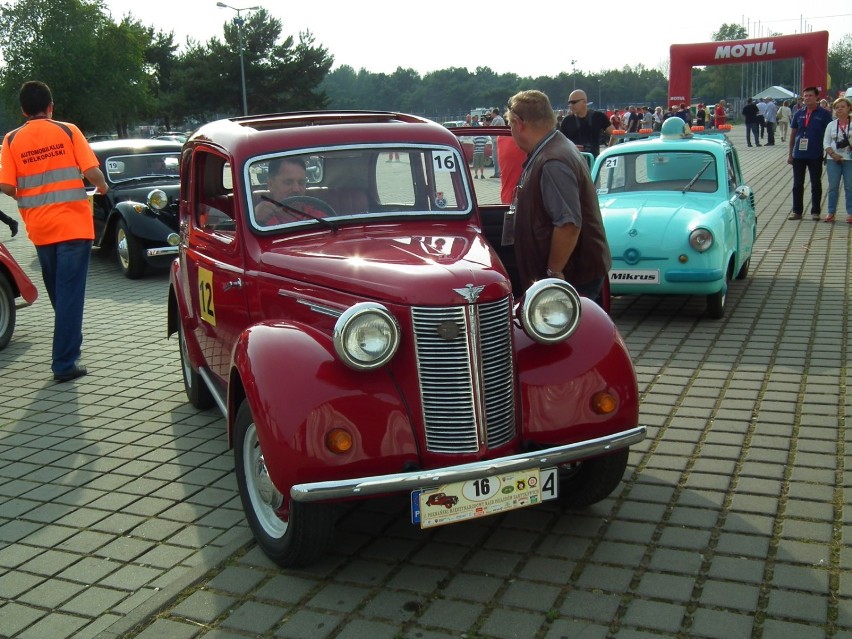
pixel 289 204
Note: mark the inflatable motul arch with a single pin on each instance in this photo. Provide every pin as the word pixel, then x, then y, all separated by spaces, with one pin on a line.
pixel 812 47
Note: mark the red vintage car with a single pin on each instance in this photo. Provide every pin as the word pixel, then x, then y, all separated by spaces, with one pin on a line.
pixel 354 323
pixel 14 285
pixel 442 499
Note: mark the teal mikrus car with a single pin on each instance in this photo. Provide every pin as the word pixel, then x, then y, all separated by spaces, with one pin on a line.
pixel 679 219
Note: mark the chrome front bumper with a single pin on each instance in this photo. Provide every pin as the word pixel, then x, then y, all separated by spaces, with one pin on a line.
pixel 399 482
pixel 163 250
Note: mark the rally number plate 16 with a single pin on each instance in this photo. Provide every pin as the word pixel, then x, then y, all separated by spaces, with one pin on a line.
pixel 484 496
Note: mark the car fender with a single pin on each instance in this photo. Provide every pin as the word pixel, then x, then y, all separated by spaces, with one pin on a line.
pixel 23 285
pixel 140 222
pixel 180 310
pixel 558 382
pixel 299 391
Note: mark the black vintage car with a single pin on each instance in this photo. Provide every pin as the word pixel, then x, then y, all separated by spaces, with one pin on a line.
pixel 138 217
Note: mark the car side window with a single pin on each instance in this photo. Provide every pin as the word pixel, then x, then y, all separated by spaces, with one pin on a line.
pixel 612 174
pixel 214 201
pixel 732 172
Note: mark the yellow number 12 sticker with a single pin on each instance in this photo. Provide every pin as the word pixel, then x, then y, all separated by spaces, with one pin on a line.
pixel 205 296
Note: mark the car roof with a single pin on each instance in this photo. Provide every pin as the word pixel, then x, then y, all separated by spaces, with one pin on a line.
pixel 135 145
pixel 247 136
pixel 712 142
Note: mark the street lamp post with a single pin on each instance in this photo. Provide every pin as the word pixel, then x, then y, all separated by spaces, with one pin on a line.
pixel 239 22
pixel 574 72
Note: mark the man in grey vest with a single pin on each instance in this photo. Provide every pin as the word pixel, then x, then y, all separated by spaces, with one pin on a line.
pixel 558 229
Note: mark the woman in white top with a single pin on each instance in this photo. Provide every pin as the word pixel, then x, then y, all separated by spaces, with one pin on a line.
pixel 839 158
pixel 783 118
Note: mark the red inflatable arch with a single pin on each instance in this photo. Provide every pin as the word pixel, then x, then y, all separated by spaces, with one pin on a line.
pixel 813 47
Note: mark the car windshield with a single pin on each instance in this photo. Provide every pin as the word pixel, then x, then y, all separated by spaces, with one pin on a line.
pixel 658 171
pixel 328 186
pixel 121 168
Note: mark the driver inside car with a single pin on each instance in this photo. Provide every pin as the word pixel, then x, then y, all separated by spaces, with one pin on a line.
pixel 286 178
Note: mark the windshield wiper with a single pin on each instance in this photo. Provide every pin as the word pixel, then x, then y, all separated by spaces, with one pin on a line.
pixel 697 175
pixel 292 209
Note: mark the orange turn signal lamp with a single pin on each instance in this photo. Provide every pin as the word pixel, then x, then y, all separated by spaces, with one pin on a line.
pixel 604 403
pixel 338 441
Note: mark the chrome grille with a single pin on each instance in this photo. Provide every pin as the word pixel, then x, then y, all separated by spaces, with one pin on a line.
pixel 466 381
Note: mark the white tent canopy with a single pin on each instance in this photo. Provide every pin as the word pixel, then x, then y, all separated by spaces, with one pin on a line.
pixel 776 93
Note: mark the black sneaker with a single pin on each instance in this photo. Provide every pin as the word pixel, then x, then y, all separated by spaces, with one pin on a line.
pixel 74 373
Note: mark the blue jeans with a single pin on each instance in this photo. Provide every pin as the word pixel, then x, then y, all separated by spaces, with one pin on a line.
pixel 753 129
pixel 836 171
pixel 64 268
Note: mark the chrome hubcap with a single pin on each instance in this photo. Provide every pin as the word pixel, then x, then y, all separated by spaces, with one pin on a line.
pixel 121 248
pixel 266 499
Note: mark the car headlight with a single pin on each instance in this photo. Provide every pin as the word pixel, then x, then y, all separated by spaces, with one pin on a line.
pixel 366 336
pixel 157 200
pixel 551 311
pixel 701 240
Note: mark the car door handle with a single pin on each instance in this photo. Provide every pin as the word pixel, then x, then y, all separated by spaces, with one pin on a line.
pixel 237 283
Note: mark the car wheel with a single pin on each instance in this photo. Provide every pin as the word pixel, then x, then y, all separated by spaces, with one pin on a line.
pixel 7 311
pixel 589 481
pixel 291 537
pixel 716 304
pixel 130 252
pixel 196 390
pixel 744 270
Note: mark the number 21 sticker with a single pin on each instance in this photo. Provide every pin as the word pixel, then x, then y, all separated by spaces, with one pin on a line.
pixel 205 296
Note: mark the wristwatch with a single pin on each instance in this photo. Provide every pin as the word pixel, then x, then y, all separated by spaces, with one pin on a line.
pixel 556 274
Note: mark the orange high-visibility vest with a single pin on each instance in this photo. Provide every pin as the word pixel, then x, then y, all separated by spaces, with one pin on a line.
pixel 44 160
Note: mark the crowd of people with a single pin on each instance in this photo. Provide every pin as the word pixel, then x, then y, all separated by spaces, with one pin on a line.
pixel 554 221
pixel 547 225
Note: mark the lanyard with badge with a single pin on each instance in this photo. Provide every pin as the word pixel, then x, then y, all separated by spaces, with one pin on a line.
pixel 508 237
pixel 803 140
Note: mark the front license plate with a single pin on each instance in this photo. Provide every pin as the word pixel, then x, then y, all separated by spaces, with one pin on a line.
pixel 484 496
pixel 634 276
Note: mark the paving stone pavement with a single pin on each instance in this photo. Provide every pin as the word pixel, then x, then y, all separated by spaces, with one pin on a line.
pixel 119 515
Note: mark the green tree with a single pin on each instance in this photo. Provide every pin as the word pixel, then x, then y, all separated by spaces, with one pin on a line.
pixel 55 41
pixel 840 64
pixel 281 75
pixel 120 58
pixel 721 81
pixel 75 48
pixel 342 88
pixel 160 64
pixel 730 31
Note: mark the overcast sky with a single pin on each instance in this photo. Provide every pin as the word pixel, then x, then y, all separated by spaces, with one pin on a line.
pixel 515 38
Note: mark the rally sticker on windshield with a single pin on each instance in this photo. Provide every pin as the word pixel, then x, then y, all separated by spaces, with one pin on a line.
pixel 444 162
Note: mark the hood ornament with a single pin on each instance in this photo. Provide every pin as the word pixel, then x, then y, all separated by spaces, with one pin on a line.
pixel 470 292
